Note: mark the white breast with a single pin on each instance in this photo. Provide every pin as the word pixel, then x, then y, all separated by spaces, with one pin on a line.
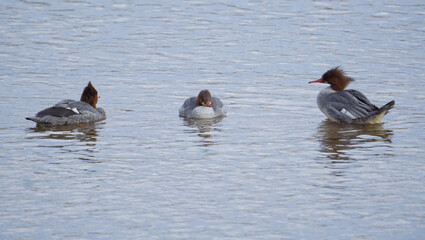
pixel 203 112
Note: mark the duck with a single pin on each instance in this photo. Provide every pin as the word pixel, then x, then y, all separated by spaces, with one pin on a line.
pixel 68 111
pixel 347 106
pixel 203 106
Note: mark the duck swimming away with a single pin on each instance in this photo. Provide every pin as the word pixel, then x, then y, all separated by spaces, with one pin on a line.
pixel 202 106
pixel 73 112
pixel 347 106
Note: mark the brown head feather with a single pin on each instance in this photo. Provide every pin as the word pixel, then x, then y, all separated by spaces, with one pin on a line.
pixel 204 99
pixel 337 79
pixel 89 95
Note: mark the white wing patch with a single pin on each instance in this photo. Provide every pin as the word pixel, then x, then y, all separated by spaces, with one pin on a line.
pixel 344 111
pixel 74 110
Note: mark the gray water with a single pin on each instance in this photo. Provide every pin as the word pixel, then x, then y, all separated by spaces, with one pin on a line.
pixel 273 168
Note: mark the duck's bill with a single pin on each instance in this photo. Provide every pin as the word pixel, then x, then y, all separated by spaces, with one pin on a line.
pixel 317 81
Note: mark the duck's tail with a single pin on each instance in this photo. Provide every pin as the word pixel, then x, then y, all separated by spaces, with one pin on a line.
pixel 377 116
pixel 36 120
pixel 31 119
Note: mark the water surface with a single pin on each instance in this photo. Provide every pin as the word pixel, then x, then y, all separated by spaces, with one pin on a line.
pixel 273 168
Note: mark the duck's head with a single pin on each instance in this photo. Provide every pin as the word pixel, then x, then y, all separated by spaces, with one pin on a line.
pixel 336 78
pixel 90 95
pixel 204 99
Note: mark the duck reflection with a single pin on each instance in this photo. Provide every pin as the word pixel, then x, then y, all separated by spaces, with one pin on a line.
pixel 82 132
pixel 204 126
pixel 65 140
pixel 336 139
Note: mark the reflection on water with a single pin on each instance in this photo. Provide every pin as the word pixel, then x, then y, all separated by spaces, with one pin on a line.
pixel 337 139
pixel 203 125
pixel 77 140
pixel 204 128
pixel 83 132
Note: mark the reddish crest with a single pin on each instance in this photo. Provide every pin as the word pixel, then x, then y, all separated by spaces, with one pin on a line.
pixel 89 95
pixel 336 78
pixel 204 99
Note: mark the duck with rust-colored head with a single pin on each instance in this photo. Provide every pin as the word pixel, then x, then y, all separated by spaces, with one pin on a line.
pixel 202 106
pixel 72 112
pixel 347 106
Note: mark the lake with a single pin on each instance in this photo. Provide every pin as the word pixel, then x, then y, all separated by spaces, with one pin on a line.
pixel 273 168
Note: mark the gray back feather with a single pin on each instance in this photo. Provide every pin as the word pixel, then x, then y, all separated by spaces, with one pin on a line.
pixel 354 102
pixel 63 113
